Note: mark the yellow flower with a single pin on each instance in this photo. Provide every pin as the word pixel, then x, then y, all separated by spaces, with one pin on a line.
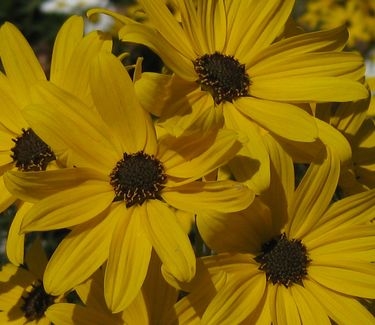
pixel 23 299
pixel 119 186
pixel 233 68
pixel 21 148
pixel 292 259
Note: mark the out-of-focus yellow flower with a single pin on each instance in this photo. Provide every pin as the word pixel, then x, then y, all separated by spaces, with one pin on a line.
pixel 357 15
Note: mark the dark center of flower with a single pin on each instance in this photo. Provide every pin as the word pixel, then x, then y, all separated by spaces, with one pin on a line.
pixel 30 153
pixel 284 261
pixel 223 76
pixel 137 177
pixel 36 302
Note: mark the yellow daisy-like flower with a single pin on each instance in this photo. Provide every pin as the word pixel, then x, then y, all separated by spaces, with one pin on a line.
pixel 21 148
pixel 23 299
pixel 295 260
pixel 116 195
pixel 233 66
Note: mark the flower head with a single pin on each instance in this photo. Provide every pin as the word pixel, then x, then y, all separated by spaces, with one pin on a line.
pixel 295 259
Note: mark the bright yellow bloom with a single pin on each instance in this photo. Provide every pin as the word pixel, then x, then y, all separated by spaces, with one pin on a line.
pixel 121 182
pixel 233 68
pixel 292 259
pixel 21 148
pixel 23 299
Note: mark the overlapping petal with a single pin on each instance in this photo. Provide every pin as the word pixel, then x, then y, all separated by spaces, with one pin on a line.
pixel 129 257
pixel 221 196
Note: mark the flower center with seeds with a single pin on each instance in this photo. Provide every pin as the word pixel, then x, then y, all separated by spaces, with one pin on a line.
pixel 36 302
pixel 223 76
pixel 284 261
pixel 30 152
pixel 137 177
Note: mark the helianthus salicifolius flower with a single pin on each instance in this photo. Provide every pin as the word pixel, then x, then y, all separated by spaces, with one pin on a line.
pixel 23 299
pixel 292 257
pixel 122 185
pixel 21 147
pixel 233 66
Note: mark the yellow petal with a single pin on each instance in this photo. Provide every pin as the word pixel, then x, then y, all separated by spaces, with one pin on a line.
pixel 19 61
pixel 263 23
pixel 79 254
pixel 68 37
pixel 237 299
pixel 357 281
pixel 34 186
pixel 282 305
pixel 128 261
pixel 15 241
pixel 194 156
pixel 286 120
pixel 251 164
pixel 69 207
pixel 310 310
pixel 176 61
pixel 313 196
pixel 117 103
pixel 340 308
pixel 169 240
pixel 200 197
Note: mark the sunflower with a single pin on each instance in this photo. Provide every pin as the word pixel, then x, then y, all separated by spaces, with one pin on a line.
pixel 23 299
pixel 21 148
pixel 233 67
pixel 291 260
pixel 122 186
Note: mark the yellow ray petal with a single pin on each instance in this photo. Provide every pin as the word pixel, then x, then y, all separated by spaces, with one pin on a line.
pixel 168 26
pixel 310 310
pixel 19 61
pixel 263 22
pixel 69 313
pixel 117 103
pixel 128 261
pixel 358 281
pixel 69 207
pixel 320 41
pixel 195 156
pixel 34 186
pixel 283 306
pixel 15 241
pixel 177 62
pixel 286 120
pixel 68 37
pixel 340 308
pixel 169 240
pixel 251 164
pixel 241 294
pixel 197 197
pixel 313 196
pixel 92 147
pixel 87 243
pixel 307 89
